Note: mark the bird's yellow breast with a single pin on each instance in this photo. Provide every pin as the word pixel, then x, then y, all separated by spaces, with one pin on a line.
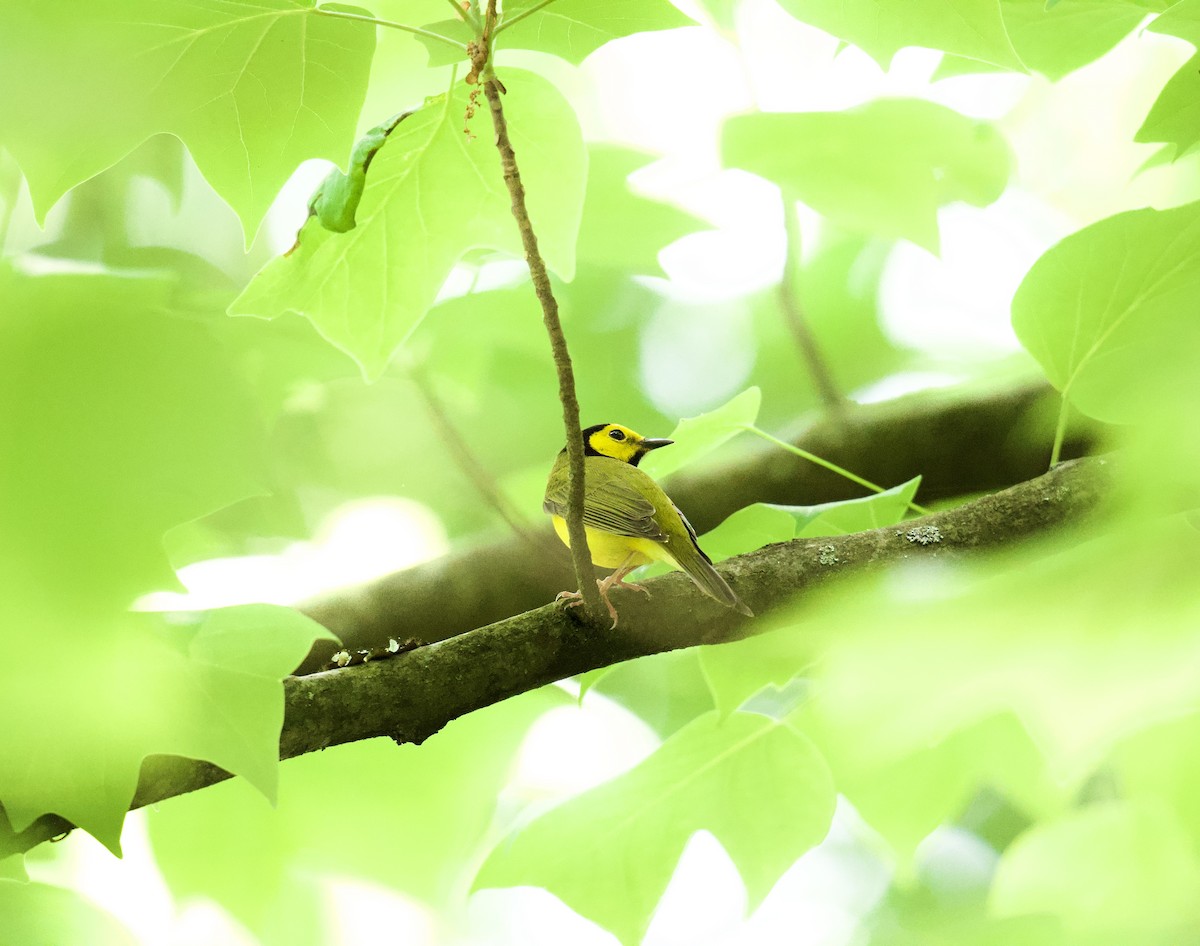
pixel 609 550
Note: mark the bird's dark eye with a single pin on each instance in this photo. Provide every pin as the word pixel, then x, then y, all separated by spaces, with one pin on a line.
pixel 616 435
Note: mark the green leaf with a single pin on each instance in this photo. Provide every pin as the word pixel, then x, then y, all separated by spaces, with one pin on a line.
pixel 1108 311
pixel 736 671
pixel 1175 116
pixel 432 196
pixel 760 524
pixel 882 168
pixel 855 515
pixel 1058 40
pixel 622 229
pixel 407 817
pixel 666 691
pixel 253 87
pixel 574 29
pixel 722 13
pixel 750 528
pixel 696 436
pixel 757 785
pixel 43 915
pixel 838 288
pixel 971 28
pixel 134 685
pixel 956 646
pixel 12 867
pixel 117 422
pixel 443 54
pixel 1149 767
pixel 1122 869
pixel 904 796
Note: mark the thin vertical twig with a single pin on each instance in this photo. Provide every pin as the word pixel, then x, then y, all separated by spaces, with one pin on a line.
pixel 580 554
pixel 794 315
pixel 471 466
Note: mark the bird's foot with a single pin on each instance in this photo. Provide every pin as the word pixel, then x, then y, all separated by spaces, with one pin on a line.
pixel 574 599
pixel 622 583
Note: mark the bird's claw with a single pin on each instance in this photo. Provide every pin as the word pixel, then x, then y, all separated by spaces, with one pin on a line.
pixel 574 599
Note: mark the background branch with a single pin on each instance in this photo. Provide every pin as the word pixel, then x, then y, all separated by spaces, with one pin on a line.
pixel 410 697
pixel 795 316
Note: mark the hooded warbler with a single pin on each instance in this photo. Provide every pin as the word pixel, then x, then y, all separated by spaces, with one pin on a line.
pixel 628 518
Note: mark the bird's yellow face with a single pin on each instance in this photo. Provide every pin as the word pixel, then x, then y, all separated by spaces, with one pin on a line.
pixel 620 443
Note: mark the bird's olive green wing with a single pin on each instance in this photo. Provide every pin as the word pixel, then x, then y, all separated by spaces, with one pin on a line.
pixel 611 504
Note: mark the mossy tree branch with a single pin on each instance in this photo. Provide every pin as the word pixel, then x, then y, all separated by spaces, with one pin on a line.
pixel 413 695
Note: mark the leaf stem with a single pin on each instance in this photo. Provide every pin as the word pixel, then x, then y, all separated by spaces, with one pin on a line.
pixel 580 554
pixel 1060 431
pixel 520 16
pixel 833 467
pixel 465 14
pixel 796 317
pixel 391 24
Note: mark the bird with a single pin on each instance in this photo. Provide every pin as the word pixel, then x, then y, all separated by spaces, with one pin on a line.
pixel 628 518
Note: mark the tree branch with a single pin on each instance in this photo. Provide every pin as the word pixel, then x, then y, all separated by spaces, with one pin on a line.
pixel 412 696
pixel 580 554
pixel 960 442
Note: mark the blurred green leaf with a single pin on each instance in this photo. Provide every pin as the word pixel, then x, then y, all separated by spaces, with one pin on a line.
pixel 253 88
pixel 1120 869
pixel 917 918
pixel 408 817
pixel 1107 312
pixel 696 436
pixel 431 196
pixel 13 868
pixel 906 796
pixel 736 671
pixel 574 29
pixel 1175 117
pixel 971 28
pixel 757 785
pixel 622 229
pixel 722 13
pixel 1156 766
pixel 666 691
pixel 837 287
pixel 44 915
pixel 882 168
pixel 911 660
pixel 126 686
pixel 1057 38
pixel 117 422
pixel 1060 39
pixel 443 54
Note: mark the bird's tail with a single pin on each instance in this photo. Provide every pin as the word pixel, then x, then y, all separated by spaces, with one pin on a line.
pixel 699 568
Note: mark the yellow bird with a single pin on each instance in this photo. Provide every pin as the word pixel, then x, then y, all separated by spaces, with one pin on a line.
pixel 628 518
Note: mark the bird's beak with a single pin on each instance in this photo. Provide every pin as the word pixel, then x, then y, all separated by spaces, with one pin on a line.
pixel 655 444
